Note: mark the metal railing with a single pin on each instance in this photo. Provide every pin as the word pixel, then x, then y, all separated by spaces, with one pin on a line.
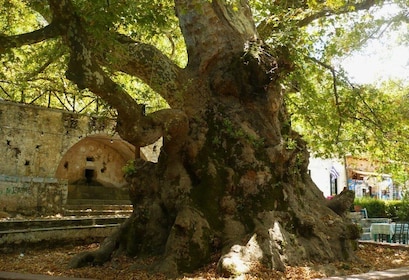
pixel 87 103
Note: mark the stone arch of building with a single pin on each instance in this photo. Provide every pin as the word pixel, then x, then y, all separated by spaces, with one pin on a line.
pixel 93 167
pixel 50 155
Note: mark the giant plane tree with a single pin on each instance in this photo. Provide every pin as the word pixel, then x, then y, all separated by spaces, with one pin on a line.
pixel 232 175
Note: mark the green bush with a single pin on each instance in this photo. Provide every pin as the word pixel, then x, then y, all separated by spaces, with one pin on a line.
pixel 376 208
pixel 393 209
pixel 403 209
pixel 129 168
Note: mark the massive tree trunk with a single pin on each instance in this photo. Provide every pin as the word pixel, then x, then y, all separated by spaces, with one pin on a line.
pixel 232 175
pixel 236 181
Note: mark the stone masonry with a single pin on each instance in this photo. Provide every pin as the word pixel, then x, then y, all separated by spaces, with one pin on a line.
pixel 43 150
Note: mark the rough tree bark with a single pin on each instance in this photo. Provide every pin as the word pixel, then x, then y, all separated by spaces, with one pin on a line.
pixel 232 176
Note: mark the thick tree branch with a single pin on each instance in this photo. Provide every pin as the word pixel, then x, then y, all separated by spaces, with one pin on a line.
pixel 50 31
pixel 231 28
pixel 84 70
pixel 152 67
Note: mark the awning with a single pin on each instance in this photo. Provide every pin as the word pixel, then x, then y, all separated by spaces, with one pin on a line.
pixel 365 173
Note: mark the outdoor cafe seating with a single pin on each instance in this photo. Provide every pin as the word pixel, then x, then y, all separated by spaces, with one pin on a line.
pixel 390 232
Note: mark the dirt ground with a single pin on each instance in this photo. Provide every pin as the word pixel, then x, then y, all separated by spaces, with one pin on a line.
pixel 53 261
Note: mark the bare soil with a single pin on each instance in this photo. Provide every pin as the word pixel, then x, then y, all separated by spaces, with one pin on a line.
pixel 54 261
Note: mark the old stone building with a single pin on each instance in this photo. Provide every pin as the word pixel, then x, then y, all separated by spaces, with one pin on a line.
pixel 49 156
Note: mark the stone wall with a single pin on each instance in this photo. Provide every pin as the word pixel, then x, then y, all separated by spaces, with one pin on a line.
pixel 34 139
pixel 43 150
pixel 32 195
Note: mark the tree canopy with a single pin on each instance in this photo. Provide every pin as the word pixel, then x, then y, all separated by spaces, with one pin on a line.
pixel 224 82
pixel 340 117
pixel 337 116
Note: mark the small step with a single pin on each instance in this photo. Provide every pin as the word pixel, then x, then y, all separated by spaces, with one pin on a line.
pixel 55 234
pixel 123 207
pixel 27 276
pixel 59 222
pixel 98 202
pixel 97 207
pixel 14 231
pixel 96 212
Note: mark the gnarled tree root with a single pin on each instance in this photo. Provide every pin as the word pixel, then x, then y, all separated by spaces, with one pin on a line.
pixel 341 203
pixel 105 251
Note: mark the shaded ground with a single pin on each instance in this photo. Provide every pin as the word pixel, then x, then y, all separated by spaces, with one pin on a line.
pixel 53 261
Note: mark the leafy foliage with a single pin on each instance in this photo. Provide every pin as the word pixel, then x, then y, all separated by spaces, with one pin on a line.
pixel 36 73
pixel 335 116
pixel 403 209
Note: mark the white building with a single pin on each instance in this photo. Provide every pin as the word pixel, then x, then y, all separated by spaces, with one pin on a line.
pixel 320 172
pixel 358 175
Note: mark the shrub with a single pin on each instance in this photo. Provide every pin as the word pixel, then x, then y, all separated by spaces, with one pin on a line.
pixel 392 208
pixel 374 207
pixel 129 168
pixel 403 209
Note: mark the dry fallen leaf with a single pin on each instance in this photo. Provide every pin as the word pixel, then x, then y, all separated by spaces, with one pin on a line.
pixel 53 261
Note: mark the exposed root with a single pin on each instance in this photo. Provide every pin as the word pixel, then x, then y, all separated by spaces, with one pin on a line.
pixel 103 253
pixel 341 203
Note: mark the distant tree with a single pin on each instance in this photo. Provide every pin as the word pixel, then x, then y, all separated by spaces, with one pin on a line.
pixel 232 177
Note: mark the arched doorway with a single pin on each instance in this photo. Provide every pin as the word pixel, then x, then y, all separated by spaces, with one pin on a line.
pixel 93 168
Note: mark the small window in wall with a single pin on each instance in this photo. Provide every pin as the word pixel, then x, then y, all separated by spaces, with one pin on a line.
pixel 89 175
pixel 90 159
